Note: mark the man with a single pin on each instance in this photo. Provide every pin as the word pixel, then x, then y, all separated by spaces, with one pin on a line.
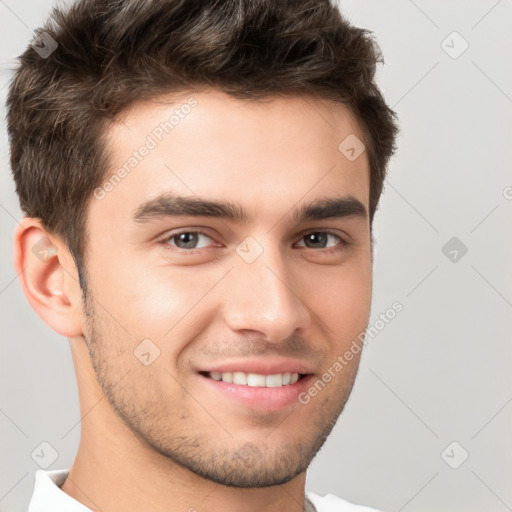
pixel 199 181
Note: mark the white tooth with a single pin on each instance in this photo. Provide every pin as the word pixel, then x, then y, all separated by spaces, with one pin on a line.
pixel 274 381
pixel 255 380
pixel 227 376
pixel 240 378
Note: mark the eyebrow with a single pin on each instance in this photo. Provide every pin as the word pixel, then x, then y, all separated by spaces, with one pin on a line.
pixel 172 205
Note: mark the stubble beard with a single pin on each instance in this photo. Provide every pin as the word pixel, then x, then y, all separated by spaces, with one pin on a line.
pixel 243 465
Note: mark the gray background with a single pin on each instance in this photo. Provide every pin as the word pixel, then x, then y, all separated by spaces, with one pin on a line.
pixel 440 371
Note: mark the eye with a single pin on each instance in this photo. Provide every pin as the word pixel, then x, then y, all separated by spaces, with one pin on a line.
pixel 316 238
pixel 187 240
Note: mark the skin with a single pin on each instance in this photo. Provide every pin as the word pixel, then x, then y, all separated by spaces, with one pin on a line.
pixel 156 437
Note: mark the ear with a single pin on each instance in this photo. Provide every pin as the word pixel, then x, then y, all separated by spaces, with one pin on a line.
pixel 48 277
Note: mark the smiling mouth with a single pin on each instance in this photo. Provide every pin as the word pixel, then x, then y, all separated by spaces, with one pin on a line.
pixel 256 380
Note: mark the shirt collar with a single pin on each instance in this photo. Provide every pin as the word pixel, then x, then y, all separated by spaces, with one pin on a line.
pixel 48 497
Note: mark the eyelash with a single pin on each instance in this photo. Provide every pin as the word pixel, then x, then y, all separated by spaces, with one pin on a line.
pixel 342 243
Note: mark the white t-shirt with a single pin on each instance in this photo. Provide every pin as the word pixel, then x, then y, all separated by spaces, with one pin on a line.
pixel 48 497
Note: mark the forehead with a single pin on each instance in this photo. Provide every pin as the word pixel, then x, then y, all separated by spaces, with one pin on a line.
pixel 267 155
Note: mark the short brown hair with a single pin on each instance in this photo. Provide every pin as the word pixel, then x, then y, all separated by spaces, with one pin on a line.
pixel 112 53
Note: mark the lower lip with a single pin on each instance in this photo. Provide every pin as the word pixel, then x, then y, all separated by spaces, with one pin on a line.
pixel 269 399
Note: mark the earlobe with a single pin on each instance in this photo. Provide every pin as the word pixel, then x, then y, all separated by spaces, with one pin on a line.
pixel 48 277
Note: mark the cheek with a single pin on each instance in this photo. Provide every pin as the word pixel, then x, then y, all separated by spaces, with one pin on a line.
pixel 142 297
pixel 168 306
pixel 345 303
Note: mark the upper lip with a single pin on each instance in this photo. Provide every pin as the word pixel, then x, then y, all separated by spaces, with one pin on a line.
pixel 266 366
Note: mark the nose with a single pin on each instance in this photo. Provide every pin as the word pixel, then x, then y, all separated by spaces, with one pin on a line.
pixel 262 296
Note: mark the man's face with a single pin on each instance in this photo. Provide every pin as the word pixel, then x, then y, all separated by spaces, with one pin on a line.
pixel 267 295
